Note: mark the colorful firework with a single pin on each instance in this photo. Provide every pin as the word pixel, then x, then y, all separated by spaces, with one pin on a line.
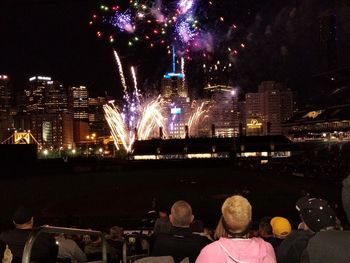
pixel 123 21
pixel 135 120
pixel 151 119
pixel 189 25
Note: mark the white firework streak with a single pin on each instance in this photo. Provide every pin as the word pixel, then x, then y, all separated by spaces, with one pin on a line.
pixel 117 126
pixel 121 73
pixel 151 118
pixel 136 92
pixel 134 78
pixel 183 72
pixel 199 115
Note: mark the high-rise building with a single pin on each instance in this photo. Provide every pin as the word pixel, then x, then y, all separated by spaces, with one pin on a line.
pixel 6 96
pixel 47 115
pixel 78 100
pixel 178 115
pixel 53 130
pixel 174 83
pixel 56 98
pixel 35 94
pixel 175 91
pixel 79 103
pixel 97 121
pixel 225 114
pixel 267 109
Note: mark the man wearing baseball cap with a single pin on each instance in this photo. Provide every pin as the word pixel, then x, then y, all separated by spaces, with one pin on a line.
pixel 44 248
pixel 327 244
pixel 292 247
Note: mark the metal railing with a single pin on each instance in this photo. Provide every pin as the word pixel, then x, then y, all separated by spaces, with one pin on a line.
pixel 131 258
pixel 57 230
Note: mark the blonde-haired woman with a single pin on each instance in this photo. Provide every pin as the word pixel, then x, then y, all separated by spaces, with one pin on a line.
pixel 233 244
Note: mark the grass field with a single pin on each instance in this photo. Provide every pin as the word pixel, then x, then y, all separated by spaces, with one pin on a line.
pixel 85 196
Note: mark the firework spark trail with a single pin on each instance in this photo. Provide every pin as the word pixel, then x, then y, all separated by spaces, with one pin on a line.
pixel 121 73
pixel 136 92
pixel 117 126
pixel 151 118
pixel 134 78
pixel 197 117
pixel 183 72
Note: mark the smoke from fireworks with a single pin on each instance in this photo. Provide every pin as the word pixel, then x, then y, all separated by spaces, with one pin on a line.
pixel 189 25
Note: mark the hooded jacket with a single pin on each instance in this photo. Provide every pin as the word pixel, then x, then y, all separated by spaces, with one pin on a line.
pixel 236 250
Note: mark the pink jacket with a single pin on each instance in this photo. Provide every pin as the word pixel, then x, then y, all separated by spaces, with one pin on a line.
pixel 235 250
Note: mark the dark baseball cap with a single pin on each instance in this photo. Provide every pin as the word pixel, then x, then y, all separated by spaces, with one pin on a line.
pixel 22 215
pixel 316 213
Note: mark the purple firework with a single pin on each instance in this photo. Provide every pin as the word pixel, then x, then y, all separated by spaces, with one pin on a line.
pixel 184 31
pixel 185 5
pixel 123 22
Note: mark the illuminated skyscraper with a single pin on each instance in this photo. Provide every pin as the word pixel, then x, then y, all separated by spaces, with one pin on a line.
pixel 79 106
pixel 174 83
pixel 47 113
pixel 79 103
pixel 6 120
pixel 97 121
pixel 175 91
pixel 178 115
pixel 225 112
pixel 5 93
pixel 267 109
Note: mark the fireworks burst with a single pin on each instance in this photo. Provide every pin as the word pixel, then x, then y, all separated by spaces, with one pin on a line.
pixel 189 25
pixel 136 120
pixel 151 118
pixel 200 113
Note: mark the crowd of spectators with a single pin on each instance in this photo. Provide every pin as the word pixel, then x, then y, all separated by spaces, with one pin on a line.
pixel 178 237
pixel 324 162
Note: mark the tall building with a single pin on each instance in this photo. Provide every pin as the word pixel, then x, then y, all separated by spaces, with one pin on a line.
pixel 5 93
pixel 46 113
pixel 178 116
pixel 267 109
pixel 97 121
pixel 225 114
pixel 78 100
pixel 6 96
pixel 52 130
pixel 56 98
pixel 35 94
pixel 175 91
pixel 174 83
pixel 254 113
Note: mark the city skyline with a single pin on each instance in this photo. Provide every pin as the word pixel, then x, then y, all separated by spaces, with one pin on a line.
pixel 50 37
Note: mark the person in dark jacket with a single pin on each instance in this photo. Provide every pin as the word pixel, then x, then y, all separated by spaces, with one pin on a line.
pixel 292 247
pixel 180 242
pixel 44 248
pixel 328 244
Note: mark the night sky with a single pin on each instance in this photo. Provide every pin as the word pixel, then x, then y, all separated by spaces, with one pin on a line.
pixel 52 37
